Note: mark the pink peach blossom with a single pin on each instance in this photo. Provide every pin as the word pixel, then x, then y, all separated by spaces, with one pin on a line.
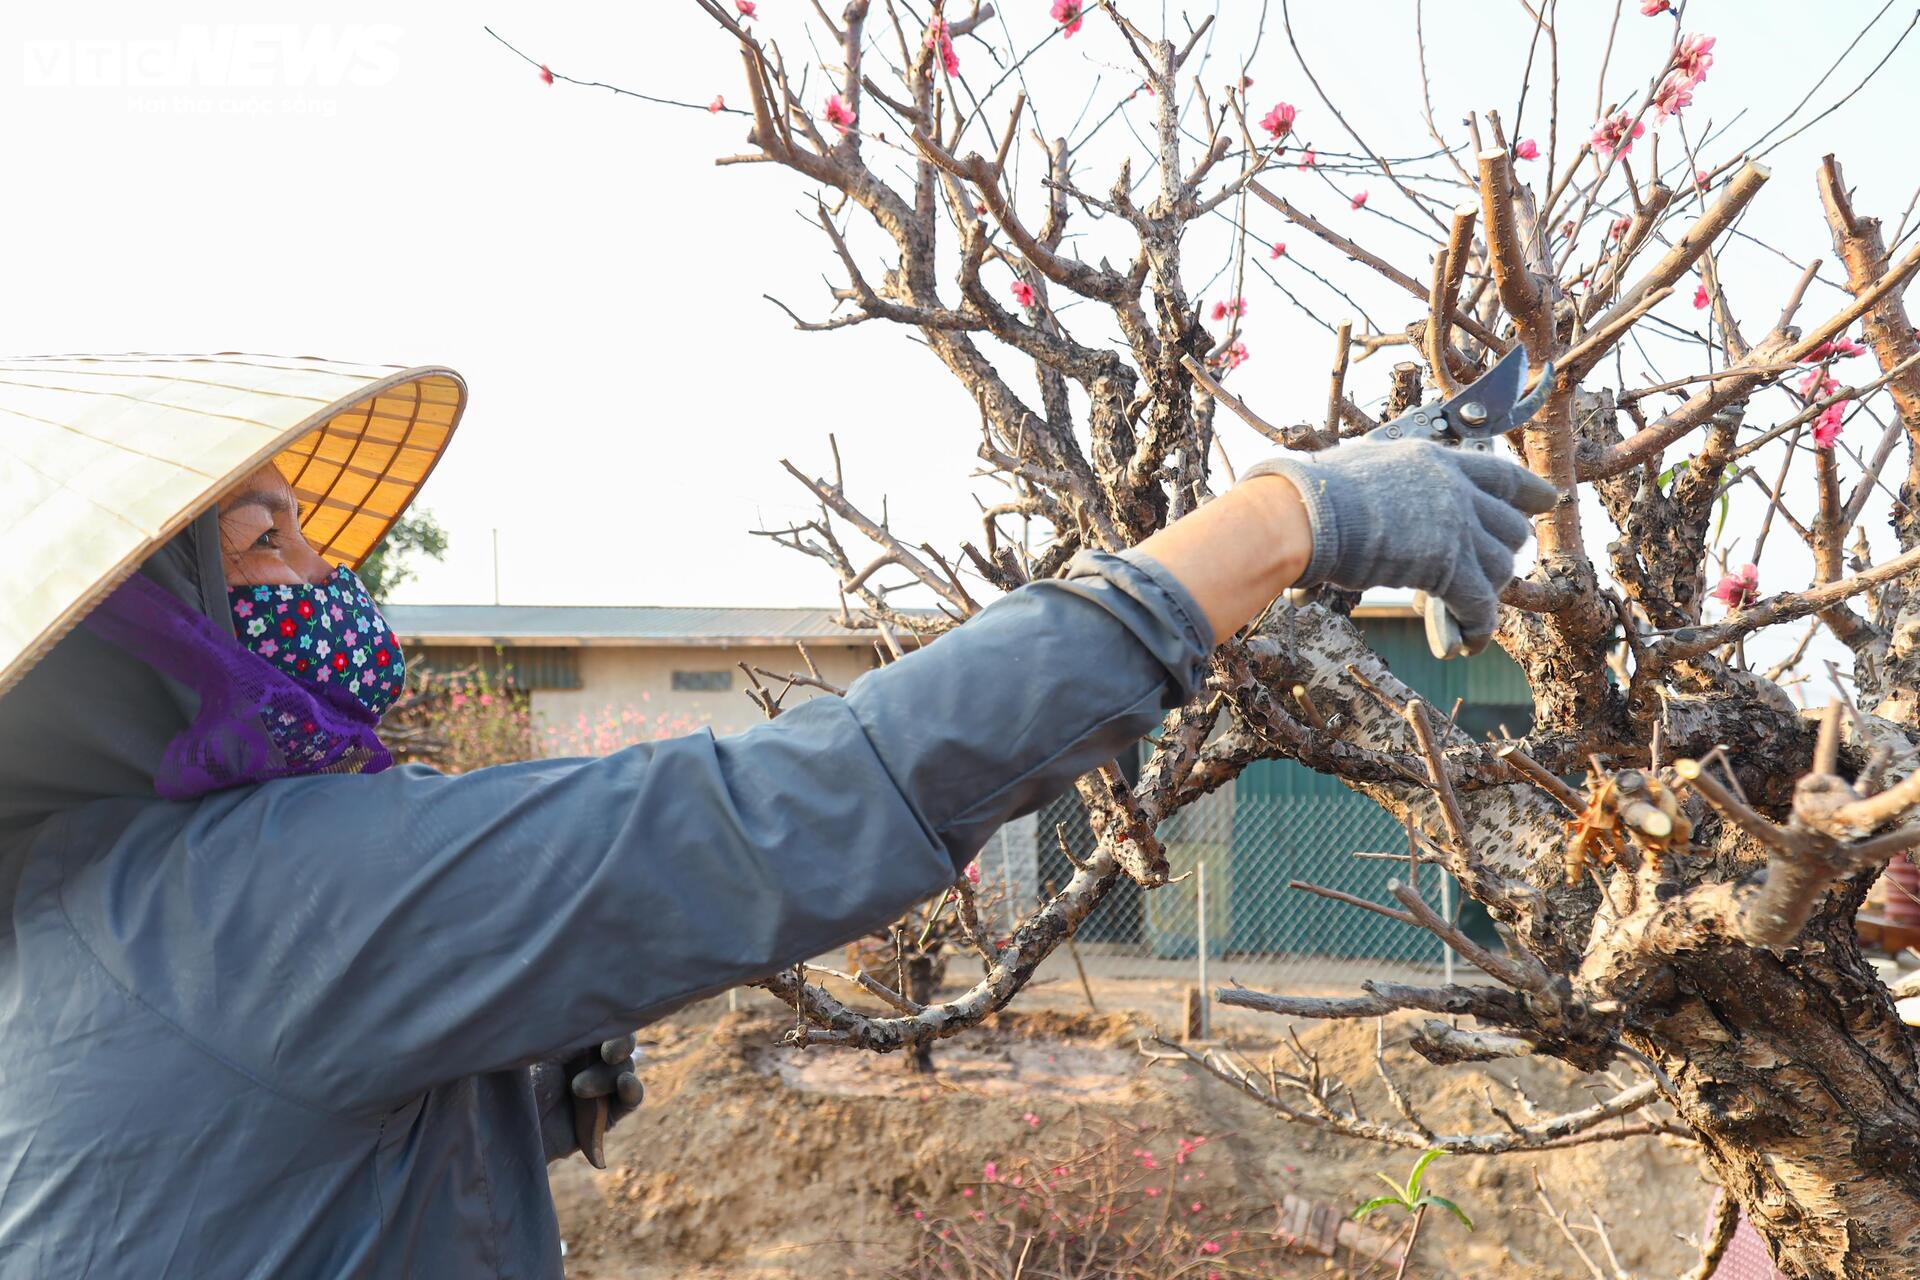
pixel 1023 293
pixel 1279 121
pixel 1738 588
pixel 1675 95
pixel 1526 149
pixel 1701 298
pixel 1279 250
pixel 1616 134
pixel 938 38
pixel 1826 427
pixel 1695 55
pixel 1068 13
pixel 1357 201
pixel 718 105
pixel 1816 384
pixel 838 115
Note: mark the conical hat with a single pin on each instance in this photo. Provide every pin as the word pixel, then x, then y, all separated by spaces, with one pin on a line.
pixel 103 458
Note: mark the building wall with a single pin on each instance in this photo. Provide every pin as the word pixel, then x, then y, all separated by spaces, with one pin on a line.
pixel 632 687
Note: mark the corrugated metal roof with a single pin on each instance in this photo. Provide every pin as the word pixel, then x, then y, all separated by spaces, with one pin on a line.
pixel 648 625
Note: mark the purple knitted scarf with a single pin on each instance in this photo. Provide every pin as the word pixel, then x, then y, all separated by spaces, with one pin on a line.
pixel 248 708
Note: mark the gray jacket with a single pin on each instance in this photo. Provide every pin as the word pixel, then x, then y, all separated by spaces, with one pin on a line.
pixel 285 1030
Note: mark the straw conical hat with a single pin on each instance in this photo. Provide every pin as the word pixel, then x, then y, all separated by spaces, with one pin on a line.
pixel 103 458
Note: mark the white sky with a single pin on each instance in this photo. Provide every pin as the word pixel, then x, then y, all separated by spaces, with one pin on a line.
pixel 393 185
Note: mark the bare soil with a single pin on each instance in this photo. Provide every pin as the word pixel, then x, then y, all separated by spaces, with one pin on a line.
pixel 750 1160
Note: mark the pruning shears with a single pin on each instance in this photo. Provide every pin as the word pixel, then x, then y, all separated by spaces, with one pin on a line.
pixel 1473 419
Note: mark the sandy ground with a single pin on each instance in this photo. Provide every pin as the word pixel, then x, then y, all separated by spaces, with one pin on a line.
pixel 754 1161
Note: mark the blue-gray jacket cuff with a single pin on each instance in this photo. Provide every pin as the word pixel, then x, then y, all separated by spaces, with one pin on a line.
pixel 1159 611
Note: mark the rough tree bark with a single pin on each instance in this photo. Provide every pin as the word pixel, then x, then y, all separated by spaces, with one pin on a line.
pixel 1686 914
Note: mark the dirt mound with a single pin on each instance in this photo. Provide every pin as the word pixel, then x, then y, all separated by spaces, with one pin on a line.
pixel 751 1160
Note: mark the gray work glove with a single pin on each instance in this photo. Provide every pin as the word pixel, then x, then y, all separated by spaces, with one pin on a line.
pixel 561 1088
pixel 1446 521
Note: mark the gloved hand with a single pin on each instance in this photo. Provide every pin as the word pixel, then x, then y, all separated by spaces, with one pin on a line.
pixel 567 1094
pixel 1446 521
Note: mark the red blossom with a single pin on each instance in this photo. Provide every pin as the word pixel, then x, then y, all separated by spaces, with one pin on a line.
pixel 1616 133
pixel 1700 179
pixel 1526 149
pixel 1068 13
pixel 747 8
pixel 1279 121
pixel 1357 201
pixel 1619 228
pixel 973 873
pixel 838 115
pixel 1308 159
pixel 1231 307
pixel 546 76
pixel 1701 298
pixel 1279 250
pixel 1826 427
pixel 1654 7
pixel 1023 293
pixel 1738 588
pixel 1235 356
pixel 1209 1246
pixel 718 105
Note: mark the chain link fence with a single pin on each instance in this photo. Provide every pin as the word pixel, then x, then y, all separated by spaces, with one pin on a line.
pixel 1235 857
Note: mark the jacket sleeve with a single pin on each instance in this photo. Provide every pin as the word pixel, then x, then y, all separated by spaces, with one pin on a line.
pixel 355 940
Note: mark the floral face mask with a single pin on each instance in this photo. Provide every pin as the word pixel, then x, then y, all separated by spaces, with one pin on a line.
pixel 328 633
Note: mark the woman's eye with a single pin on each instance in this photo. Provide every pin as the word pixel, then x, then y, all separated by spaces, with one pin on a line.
pixel 268 541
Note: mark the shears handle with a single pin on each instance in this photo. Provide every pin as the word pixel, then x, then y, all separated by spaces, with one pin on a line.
pixel 590 1119
pixel 1444 638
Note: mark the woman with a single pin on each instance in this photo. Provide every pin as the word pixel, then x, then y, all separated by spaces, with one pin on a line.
pixel 267 1008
